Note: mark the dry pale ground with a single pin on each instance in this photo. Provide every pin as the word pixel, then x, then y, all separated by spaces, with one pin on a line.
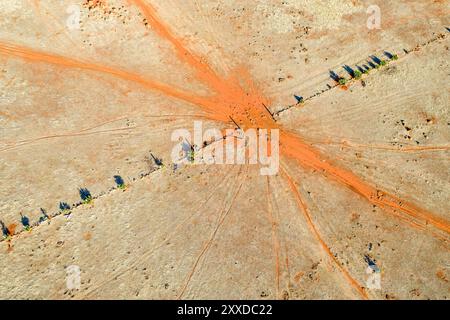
pixel 80 106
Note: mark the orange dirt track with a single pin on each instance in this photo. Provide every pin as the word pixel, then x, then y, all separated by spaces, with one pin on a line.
pixel 225 99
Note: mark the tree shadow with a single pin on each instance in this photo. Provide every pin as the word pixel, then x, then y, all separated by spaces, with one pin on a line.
pixel 25 221
pixel 157 161
pixel 44 216
pixel 388 55
pixel 119 181
pixel 298 98
pixel 376 59
pixel 63 206
pixel 334 76
pixel 371 263
pixel 371 64
pixel 349 70
pixel 360 69
pixel 5 230
pixel 85 194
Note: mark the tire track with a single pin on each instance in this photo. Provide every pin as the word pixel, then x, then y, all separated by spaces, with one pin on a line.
pixel 212 237
pixel 302 206
pixel 148 253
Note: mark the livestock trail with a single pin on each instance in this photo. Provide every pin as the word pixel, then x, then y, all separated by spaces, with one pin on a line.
pixel 237 97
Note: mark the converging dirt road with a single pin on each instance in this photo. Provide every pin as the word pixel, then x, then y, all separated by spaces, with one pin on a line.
pixel 93 207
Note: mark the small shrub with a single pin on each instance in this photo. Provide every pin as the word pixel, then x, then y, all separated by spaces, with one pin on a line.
pixel 383 63
pixel 63 206
pixel 357 74
pixel 394 57
pixel 191 155
pixel 342 81
pixel 88 200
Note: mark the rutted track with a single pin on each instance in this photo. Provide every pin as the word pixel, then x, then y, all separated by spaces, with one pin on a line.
pixel 243 104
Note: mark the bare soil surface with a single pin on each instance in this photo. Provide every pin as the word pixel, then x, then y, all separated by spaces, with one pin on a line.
pixel 363 186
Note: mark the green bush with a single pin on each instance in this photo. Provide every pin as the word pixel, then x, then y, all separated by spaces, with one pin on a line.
pixel 357 74
pixel 191 156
